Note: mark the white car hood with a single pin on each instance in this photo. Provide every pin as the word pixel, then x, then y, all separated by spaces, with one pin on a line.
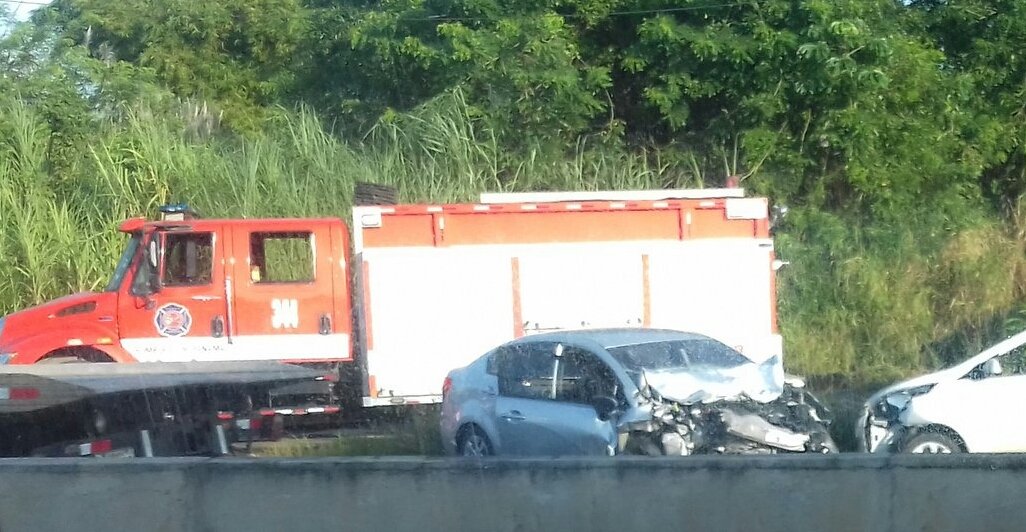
pixel 930 378
pixel 760 382
pixel 955 372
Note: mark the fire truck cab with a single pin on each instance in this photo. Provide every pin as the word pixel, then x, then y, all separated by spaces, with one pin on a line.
pixel 190 289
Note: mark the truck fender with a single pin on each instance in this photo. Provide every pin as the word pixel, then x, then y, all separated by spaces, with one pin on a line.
pixel 35 348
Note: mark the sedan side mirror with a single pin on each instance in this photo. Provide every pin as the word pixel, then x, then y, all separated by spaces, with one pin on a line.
pixel 605 406
pixel 992 367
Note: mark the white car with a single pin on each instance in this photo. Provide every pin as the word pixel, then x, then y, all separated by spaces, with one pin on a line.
pixel 975 406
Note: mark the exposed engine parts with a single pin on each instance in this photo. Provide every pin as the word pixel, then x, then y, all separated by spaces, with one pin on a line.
pixel 794 422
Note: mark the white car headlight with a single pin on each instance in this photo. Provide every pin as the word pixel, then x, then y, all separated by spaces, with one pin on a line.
pixel 900 399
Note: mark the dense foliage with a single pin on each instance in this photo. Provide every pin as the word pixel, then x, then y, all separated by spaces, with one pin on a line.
pixel 893 132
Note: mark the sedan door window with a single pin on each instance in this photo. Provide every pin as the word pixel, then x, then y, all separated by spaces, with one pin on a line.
pixel 582 377
pixel 527 370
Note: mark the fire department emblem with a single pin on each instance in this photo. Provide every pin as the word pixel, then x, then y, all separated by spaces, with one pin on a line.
pixel 172 320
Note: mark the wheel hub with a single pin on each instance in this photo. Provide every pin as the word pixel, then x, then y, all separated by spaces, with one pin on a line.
pixel 475 445
pixel 931 447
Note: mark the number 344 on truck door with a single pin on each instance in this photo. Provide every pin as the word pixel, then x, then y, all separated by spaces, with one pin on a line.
pixel 285 313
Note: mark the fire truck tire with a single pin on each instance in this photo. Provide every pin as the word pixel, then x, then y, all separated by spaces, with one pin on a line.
pixel 75 356
pixel 62 360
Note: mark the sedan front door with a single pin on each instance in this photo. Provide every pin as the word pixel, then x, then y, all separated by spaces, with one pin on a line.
pixel 541 410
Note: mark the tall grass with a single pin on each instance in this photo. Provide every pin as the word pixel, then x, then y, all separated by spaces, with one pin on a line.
pixel 414 434
pixel 874 300
pixel 880 301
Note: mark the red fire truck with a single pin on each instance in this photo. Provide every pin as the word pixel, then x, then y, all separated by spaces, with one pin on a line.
pixel 408 292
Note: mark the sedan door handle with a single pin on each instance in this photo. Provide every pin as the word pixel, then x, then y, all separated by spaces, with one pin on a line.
pixel 513 415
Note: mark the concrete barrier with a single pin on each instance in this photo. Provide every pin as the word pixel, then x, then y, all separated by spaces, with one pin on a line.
pixel 786 493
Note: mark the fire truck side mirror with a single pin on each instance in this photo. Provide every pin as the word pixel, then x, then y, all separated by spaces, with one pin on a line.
pixel 154 253
pixel 147 278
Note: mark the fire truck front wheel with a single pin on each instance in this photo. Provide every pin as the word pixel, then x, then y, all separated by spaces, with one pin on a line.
pixel 75 355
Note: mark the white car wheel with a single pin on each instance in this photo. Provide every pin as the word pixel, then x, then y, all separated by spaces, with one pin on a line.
pixel 931 442
pixel 930 447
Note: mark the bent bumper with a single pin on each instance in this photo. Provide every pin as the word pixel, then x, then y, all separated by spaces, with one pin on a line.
pixel 876 436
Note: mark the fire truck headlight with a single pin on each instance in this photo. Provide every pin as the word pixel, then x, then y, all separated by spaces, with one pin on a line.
pixel 5 356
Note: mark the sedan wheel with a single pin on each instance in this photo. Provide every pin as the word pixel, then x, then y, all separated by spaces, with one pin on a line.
pixel 475 443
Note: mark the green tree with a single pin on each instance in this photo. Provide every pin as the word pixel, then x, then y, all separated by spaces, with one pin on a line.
pixel 237 54
pixel 64 84
pixel 829 99
pixel 982 43
pixel 520 63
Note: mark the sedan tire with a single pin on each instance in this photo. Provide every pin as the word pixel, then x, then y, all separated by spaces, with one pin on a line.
pixel 473 442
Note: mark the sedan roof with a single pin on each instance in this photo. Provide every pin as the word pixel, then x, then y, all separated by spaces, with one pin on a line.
pixel 610 338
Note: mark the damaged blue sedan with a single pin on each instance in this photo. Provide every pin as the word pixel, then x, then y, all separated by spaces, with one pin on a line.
pixel 627 391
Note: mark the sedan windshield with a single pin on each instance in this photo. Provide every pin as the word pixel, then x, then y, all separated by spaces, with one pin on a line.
pixel 677 354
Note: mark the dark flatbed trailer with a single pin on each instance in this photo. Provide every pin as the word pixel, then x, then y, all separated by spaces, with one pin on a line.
pixel 145 409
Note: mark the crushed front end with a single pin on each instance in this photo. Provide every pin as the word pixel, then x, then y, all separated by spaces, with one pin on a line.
pixel 794 422
pixel 883 423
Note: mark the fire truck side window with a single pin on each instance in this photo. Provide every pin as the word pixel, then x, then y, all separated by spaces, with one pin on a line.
pixel 145 280
pixel 281 257
pixel 188 259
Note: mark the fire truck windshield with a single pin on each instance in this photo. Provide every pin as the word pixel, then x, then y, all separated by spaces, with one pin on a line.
pixel 124 262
